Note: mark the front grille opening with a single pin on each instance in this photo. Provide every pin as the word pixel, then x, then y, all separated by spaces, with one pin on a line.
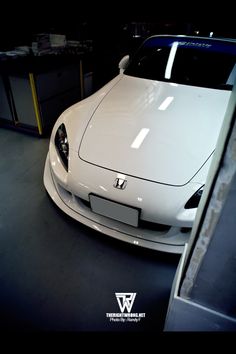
pixel 64 191
pixel 185 230
pixel 86 203
pixel 68 193
pixel 153 226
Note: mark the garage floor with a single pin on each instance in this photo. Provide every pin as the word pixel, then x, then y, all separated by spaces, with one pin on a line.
pixel 57 274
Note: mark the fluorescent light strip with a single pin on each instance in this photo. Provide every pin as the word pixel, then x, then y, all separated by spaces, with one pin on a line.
pixel 165 103
pixel 140 138
pixel 170 60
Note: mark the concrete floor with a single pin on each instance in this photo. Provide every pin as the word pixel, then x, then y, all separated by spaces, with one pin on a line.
pixel 55 273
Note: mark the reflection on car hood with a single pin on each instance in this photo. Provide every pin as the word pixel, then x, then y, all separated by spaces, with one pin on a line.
pixel 157 131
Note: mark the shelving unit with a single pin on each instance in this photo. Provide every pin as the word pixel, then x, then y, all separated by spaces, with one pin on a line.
pixel 35 92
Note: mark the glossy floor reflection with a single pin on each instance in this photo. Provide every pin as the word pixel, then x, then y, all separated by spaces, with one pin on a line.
pixel 57 274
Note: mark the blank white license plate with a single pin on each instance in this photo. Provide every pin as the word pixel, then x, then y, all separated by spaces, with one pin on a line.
pixel 114 210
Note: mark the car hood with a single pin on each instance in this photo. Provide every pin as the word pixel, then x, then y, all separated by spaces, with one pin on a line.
pixel 157 131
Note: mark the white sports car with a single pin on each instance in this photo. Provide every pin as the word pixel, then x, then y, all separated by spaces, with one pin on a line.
pixel 132 159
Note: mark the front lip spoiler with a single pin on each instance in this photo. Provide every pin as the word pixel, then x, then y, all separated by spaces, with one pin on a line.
pixel 52 191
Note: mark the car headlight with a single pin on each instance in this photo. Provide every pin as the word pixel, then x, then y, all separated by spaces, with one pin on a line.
pixel 62 145
pixel 194 200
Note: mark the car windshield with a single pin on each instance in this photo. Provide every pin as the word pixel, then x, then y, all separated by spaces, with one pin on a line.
pixel 189 61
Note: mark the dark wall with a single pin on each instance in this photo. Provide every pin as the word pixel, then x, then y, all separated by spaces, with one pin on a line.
pixel 111 25
pixel 103 19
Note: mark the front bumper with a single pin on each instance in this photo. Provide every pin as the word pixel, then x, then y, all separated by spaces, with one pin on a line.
pixel 171 241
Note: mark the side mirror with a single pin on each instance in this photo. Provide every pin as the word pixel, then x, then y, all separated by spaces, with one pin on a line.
pixel 123 63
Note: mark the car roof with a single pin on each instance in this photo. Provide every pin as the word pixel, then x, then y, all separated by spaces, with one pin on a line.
pixel 222 39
